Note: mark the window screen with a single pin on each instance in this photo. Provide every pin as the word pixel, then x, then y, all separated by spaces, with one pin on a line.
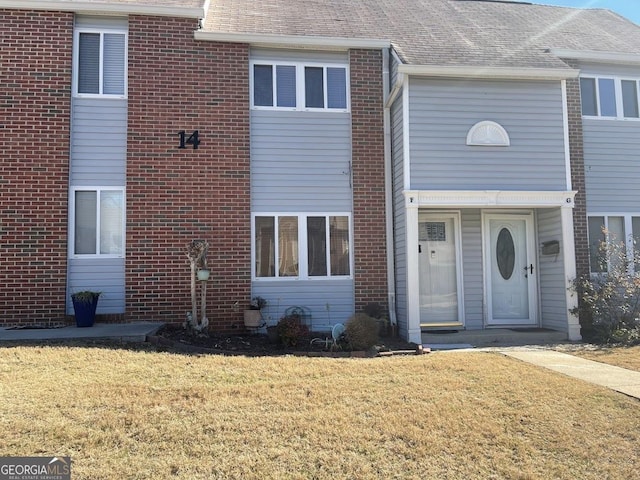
pixel 630 98
pixel 114 64
pixel 588 95
pixel 286 85
pixel 314 90
pixel 89 63
pixel 263 85
pixel 336 87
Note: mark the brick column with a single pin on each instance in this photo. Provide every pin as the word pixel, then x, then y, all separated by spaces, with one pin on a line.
pixel 176 195
pixel 35 101
pixel 367 138
pixel 576 151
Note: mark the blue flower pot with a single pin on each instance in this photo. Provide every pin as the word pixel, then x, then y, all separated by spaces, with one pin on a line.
pixel 85 311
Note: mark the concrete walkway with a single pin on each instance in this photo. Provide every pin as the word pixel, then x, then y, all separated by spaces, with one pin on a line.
pixel 616 378
pixel 126 332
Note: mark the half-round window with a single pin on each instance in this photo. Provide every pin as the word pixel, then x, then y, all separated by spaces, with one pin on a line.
pixel 505 253
pixel 488 134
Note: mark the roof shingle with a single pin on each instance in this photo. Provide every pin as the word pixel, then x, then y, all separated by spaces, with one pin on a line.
pixel 438 32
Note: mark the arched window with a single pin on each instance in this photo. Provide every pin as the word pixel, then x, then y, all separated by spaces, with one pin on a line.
pixel 488 134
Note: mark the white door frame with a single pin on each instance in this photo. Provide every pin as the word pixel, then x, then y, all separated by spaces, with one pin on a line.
pixel 455 215
pixel 528 217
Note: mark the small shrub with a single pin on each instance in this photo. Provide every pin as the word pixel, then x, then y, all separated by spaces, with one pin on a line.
pixel 291 330
pixel 361 331
pixel 609 303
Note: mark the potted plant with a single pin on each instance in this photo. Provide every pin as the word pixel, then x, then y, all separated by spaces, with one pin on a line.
pixel 85 303
pixel 253 316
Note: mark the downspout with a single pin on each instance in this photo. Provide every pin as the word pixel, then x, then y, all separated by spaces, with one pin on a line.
pixel 388 99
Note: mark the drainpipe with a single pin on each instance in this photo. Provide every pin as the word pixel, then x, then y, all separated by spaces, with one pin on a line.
pixel 388 99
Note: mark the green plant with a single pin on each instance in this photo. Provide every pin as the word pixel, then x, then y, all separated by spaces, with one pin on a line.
pixel 609 302
pixel 291 330
pixel 85 296
pixel 361 331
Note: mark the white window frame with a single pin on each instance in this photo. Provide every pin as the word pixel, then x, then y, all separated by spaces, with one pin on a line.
pixel 72 221
pixel 303 264
pixel 628 240
pixel 76 61
pixel 300 85
pixel 617 81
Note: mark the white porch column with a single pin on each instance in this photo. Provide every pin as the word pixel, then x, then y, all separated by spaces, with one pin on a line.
pixel 568 248
pixel 413 272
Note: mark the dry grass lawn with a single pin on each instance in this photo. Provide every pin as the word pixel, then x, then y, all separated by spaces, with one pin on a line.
pixel 625 357
pixel 141 414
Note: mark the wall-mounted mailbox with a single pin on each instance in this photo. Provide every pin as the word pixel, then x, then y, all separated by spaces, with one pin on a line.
pixel 551 247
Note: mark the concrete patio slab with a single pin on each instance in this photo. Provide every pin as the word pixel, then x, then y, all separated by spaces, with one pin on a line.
pixel 616 378
pixel 126 332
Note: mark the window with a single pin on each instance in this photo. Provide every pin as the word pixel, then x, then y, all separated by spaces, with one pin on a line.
pixel 299 86
pixel 98 221
pixel 100 63
pixel 301 246
pixel 610 98
pixel 622 230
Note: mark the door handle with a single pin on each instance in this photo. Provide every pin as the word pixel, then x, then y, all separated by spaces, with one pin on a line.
pixel 529 269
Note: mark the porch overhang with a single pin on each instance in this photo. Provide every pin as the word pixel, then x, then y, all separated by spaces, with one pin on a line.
pixel 488 198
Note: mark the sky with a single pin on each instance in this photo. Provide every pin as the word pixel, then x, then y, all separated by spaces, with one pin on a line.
pixel 627 8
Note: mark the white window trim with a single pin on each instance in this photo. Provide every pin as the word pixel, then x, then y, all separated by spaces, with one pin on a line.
pixel 628 232
pixel 72 221
pixel 300 85
pixel 303 266
pixel 617 81
pixel 76 60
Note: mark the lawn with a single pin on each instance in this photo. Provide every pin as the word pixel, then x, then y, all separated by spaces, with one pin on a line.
pixel 142 414
pixel 625 357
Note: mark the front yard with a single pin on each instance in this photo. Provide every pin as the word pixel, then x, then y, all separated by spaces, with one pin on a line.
pixel 138 414
pixel 625 357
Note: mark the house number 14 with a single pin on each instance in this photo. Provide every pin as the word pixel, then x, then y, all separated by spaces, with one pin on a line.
pixel 192 140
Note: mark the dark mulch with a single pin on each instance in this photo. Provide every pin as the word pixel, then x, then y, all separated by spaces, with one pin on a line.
pixel 174 336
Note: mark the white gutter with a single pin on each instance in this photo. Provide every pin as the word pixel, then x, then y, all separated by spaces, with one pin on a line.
pixel 593 56
pixel 296 41
pixel 388 189
pixel 505 73
pixel 115 8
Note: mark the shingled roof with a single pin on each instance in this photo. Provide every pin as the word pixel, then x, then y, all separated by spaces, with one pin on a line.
pixel 438 32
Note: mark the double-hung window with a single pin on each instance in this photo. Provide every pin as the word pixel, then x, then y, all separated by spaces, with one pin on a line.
pixel 301 246
pixel 612 238
pixel 100 63
pixel 299 86
pixel 607 97
pixel 98 221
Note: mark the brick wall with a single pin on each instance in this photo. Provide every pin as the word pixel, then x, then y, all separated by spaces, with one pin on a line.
pixel 175 196
pixel 35 96
pixel 367 131
pixel 576 150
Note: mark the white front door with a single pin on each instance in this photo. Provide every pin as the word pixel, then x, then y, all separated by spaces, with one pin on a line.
pixel 439 269
pixel 510 269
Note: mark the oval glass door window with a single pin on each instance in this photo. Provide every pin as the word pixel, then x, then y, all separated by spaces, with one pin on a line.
pixel 505 253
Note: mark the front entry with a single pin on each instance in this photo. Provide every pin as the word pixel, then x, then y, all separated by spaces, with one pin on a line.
pixel 510 270
pixel 438 253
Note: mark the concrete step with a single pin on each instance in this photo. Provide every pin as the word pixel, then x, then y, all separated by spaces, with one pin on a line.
pixel 494 337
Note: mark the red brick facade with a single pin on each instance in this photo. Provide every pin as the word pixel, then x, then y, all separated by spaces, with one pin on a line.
pixel 35 100
pixel 176 195
pixel 367 130
pixel 576 151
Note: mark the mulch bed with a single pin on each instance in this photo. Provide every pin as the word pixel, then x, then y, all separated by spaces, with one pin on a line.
pixel 177 337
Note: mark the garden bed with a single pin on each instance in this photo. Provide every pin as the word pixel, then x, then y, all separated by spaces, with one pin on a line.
pixel 177 337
